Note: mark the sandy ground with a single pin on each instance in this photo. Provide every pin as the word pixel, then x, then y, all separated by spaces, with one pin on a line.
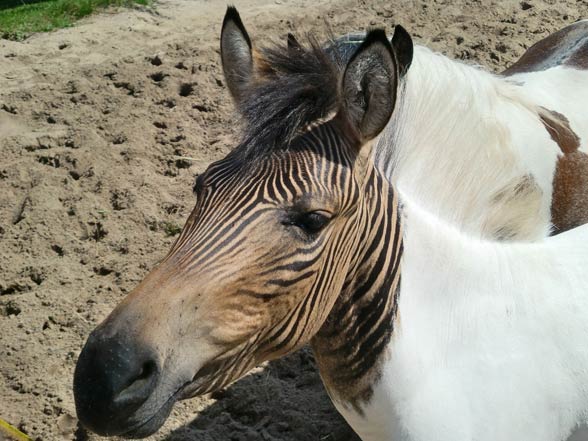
pixel 96 123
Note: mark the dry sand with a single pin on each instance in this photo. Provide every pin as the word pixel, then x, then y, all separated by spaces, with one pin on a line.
pixel 95 124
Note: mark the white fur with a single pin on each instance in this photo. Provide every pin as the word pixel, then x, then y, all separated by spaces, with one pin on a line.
pixel 491 343
pixel 564 90
pixel 460 136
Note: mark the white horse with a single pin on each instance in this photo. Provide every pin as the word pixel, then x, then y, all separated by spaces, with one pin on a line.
pixel 491 342
pixel 504 156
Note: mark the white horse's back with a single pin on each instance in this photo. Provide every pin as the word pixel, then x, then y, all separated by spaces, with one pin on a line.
pixel 566 47
pixel 564 90
pixel 554 72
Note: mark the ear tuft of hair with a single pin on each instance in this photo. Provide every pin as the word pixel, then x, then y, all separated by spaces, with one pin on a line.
pixel 300 83
pixel 299 87
pixel 369 85
pixel 293 42
pixel 373 36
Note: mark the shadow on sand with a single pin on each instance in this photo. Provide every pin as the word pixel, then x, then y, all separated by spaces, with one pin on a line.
pixel 285 401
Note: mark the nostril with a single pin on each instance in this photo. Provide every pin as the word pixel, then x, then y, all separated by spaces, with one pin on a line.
pixel 147 370
pixel 138 387
pixel 115 377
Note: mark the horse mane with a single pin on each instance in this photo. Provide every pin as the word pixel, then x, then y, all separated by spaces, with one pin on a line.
pixel 294 86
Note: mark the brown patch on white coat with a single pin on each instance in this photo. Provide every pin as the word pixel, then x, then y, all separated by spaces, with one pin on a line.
pixel 570 181
pixel 566 47
pixel 558 127
pixel 511 207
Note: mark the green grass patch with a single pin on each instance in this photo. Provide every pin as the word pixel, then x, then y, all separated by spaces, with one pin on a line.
pixel 20 18
pixel 171 229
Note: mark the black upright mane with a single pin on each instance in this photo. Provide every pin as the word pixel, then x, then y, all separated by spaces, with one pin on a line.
pixel 297 85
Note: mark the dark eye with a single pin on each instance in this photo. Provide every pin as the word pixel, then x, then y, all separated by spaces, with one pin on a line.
pixel 311 222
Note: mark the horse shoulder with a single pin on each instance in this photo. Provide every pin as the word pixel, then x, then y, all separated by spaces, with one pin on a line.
pixel 567 47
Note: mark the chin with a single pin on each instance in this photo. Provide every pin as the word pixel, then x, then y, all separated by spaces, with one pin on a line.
pixel 152 424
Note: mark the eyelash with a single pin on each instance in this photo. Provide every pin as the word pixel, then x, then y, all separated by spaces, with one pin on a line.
pixel 311 222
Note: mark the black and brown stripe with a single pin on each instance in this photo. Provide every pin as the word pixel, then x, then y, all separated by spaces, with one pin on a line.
pixel 338 286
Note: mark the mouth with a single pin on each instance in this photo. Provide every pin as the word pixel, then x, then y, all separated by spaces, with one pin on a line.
pixel 153 423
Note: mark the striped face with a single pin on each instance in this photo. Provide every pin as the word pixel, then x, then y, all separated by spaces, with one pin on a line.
pixel 265 252
pixel 257 267
pixel 276 233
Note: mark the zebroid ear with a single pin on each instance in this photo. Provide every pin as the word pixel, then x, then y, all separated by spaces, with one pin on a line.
pixel 236 54
pixel 403 48
pixel 369 84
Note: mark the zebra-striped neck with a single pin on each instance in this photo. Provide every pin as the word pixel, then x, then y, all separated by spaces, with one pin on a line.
pixel 351 345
